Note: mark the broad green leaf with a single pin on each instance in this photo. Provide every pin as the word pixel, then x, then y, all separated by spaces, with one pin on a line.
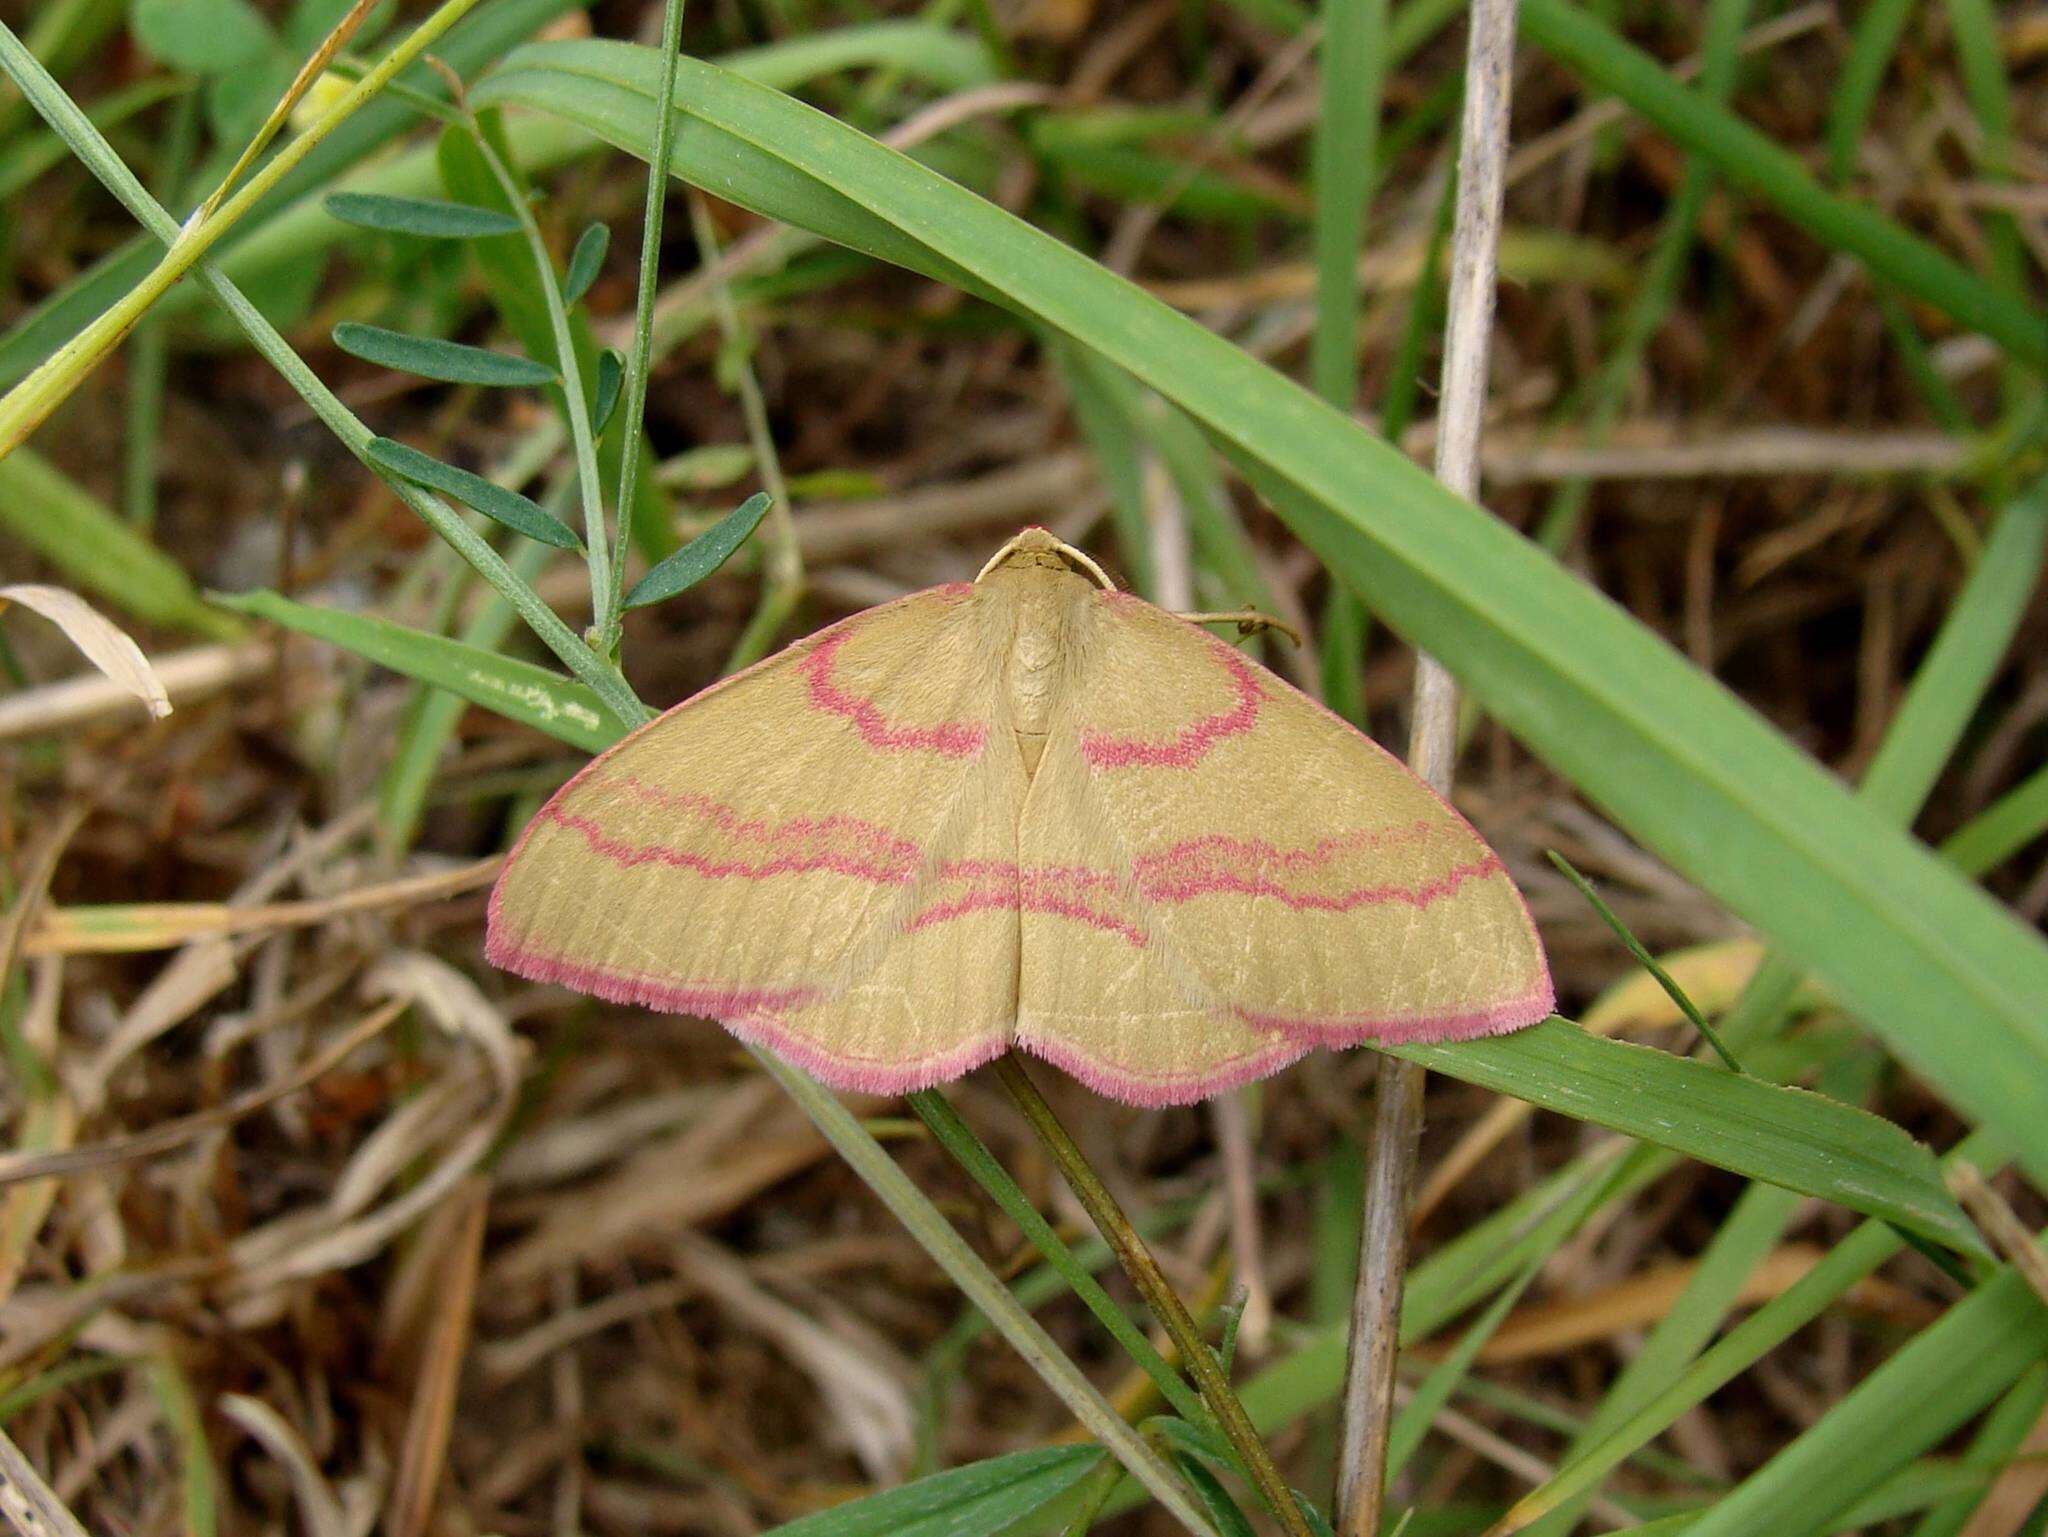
pixel 585 262
pixel 1948 978
pixel 547 701
pixel 433 358
pixel 208 37
pixel 702 555
pixel 429 218
pixel 961 1502
pixel 95 549
pixel 520 513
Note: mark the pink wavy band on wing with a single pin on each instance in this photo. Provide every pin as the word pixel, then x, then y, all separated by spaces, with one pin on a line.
pixel 818 854
pixel 1058 890
pixel 1191 743
pixel 1196 879
pixel 953 739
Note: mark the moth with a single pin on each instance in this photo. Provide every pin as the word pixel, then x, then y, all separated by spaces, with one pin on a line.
pixel 1032 811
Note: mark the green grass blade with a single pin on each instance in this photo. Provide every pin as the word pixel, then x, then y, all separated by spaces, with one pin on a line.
pixel 1783 1136
pixel 95 549
pixel 1753 160
pixel 2003 828
pixel 1909 1405
pixel 1351 64
pixel 1997 1439
pixel 547 701
pixel 1872 44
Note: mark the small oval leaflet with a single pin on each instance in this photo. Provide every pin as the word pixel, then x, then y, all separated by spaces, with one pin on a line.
pixel 604 394
pixel 427 218
pixel 702 555
pixel 433 358
pixel 516 511
pixel 585 262
pixel 1024 811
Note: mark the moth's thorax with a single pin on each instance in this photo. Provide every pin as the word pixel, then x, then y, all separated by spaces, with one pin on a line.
pixel 1042 597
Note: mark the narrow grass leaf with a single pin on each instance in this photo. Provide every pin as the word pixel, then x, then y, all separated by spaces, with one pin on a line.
pixel 429 218
pixel 1938 1382
pixel 520 513
pixel 2003 828
pixel 431 357
pixel 1783 1136
pixel 585 262
pixel 702 555
pixel 547 701
pixel 95 549
pixel 981 1497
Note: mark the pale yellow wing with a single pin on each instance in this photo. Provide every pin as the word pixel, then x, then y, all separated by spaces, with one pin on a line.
pixel 1285 875
pixel 802 853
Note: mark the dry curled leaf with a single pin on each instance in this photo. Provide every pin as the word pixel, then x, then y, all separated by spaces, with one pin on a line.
pixel 106 645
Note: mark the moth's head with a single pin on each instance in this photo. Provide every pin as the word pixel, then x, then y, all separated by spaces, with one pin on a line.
pixel 1035 546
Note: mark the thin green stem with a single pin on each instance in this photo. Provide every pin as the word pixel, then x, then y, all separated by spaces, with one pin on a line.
pixel 785 563
pixel 979 1284
pixel 1138 1262
pixel 640 359
pixel 1647 961
pixel 151 359
pixel 31 401
pixel 968 1150
pixel 604 591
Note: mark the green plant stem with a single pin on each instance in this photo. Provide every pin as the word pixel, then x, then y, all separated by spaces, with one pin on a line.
pixel 604 590
pixel 640 360
pixel 968 1150
pixel 1647 961
pixel 62 114
pixel 785 562
pixel 978 1283
pixel 150 360
pixel 1138 1263
pixel 30 402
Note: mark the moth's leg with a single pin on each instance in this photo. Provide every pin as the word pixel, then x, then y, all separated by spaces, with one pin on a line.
pixel 1249 621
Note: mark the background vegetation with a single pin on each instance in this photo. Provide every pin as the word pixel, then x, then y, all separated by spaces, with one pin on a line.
pixel 311 1222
